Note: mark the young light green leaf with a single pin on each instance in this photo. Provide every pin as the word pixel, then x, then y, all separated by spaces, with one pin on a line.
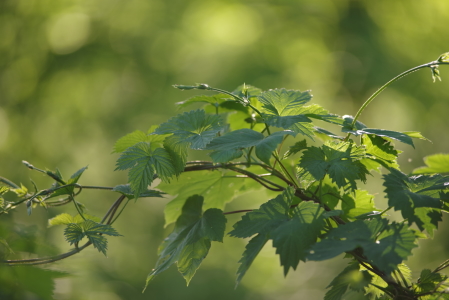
pixel 436 163
pixel 190 240
pixel 443 57
pixel 416 197
pixel 130 140
pixel 399 136
pixel 430 281
pixel 216 188
pixel 340 160
pixel 357 203
pixel 194 128
pixel 380 151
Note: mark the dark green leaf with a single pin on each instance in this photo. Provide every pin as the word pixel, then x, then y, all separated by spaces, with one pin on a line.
pixel 351 277
pixel 337 159
pixel 268 217
pixel 194 128
pixel 252 249
pixel 416 197
pixel 125 189
pixel 190 241
pixel 244 138
pixel 292 239
pixel 143 164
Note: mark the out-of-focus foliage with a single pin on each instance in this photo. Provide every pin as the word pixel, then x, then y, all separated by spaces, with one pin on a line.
pixel 77 75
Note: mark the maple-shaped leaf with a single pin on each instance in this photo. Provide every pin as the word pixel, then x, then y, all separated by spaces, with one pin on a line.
pixel 436 163
pixel 194 128
pixel 144 163
pixel 431 281
pixel 216 188
pixel 385 245
pixel 190 241
pixel 417 197
pixel 292 239
pixel 347 237
pixel 94 231
pixel 244 138
pixel 340 160
pixel 282 108
pixel 293 231
pixel 297 147
pixel 380 151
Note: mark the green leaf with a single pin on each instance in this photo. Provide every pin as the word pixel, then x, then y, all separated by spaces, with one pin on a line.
pixel 430 281
pixel 214 186
pixel 65 219
pixel 190 240
pixel 283 108
pixel 75 232
pixel 347 237
pixel 357 203
pixel 337 159
pixel 444 57
pixel 293 232
pixel 380 151
pixel 130 140
pixel 265 219
pixel 194 128
pixel 416 198
pixel 386 246
pixel 125 189
pixel 394 245
pixel 399 136
pixel 177 151
pixel 244 138
pixel 293 238
pixel 215 100
pixel 297 147
pixel 72 180
pixel 252 249
pixel 143 164
pixel 436 163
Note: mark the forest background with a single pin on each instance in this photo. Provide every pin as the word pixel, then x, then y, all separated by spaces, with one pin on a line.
pixel 77 75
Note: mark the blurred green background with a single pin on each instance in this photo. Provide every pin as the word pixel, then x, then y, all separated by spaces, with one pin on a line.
pixel 77 75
